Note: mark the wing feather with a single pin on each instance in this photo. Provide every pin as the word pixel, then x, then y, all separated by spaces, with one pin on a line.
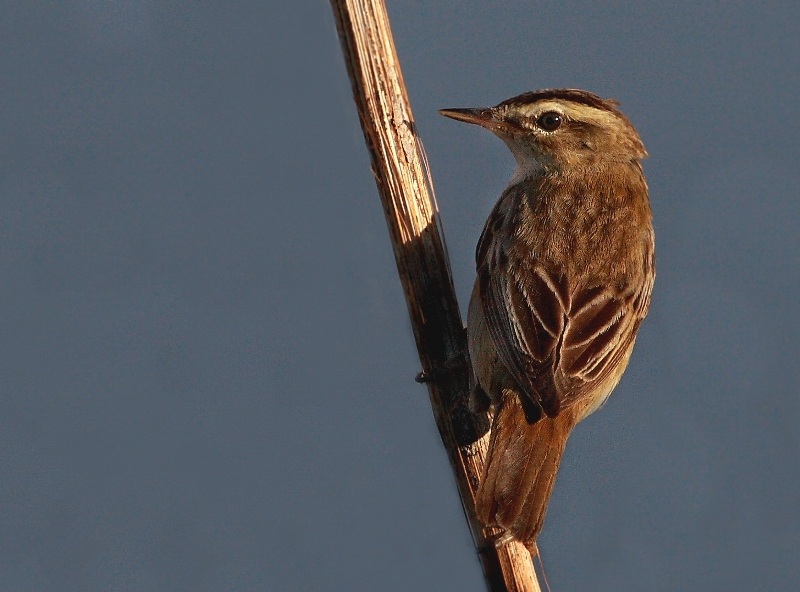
pixel 556 338
pixel 526 321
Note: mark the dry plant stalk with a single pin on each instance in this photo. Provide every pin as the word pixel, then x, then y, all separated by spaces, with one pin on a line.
pixel 424 268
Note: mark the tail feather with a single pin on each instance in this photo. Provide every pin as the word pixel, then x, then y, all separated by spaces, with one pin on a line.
pixel 521 469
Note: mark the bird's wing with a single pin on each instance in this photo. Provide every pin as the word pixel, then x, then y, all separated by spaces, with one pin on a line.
pixel 526 317
pixel 557 341
pixel 599 334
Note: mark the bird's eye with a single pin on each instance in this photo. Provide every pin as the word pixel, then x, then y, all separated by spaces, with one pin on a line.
pixel 549 121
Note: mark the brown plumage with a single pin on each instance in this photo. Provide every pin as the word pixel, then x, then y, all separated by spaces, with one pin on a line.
pixel 565 268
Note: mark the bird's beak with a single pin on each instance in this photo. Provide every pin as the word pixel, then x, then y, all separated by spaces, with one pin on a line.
pixel 484 117
pixel 487 117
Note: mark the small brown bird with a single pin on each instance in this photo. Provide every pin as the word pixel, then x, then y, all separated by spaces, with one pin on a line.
pixel 565 270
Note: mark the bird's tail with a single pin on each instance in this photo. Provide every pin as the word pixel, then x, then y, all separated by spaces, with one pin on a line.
pixel 521 469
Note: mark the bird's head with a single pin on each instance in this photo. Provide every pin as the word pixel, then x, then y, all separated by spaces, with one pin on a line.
pixel 559 129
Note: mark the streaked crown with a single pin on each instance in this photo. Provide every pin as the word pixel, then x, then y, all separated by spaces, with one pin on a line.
pixel 554 128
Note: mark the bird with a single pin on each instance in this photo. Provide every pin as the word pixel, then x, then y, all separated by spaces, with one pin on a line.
pixel 565 267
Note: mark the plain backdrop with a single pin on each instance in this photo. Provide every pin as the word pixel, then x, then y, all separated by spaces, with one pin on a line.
pixel 207 367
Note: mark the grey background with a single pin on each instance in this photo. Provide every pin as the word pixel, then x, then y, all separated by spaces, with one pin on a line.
pixel 207 368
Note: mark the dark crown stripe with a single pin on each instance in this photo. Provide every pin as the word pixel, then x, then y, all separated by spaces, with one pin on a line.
pixel 568 94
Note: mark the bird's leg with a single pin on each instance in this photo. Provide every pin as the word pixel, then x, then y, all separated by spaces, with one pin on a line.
pixel 479 401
